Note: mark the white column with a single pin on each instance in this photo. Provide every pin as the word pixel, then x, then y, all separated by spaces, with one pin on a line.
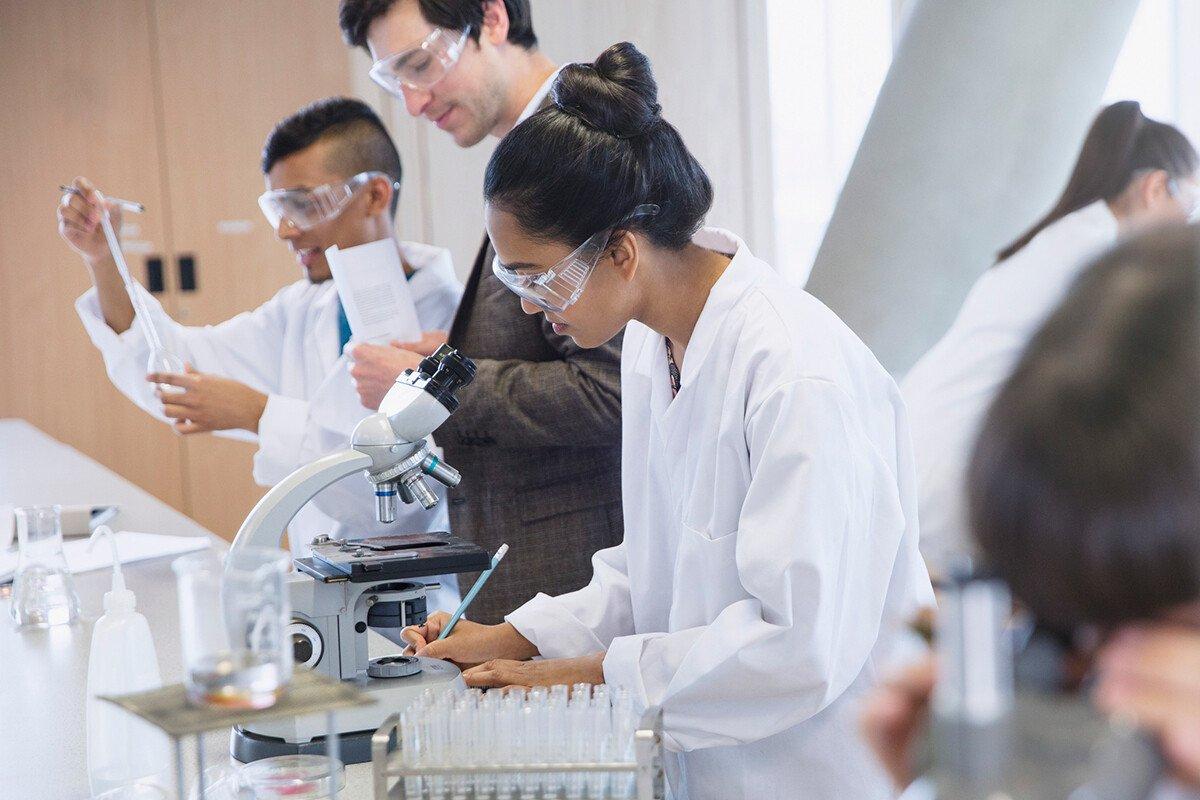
pixel 972 136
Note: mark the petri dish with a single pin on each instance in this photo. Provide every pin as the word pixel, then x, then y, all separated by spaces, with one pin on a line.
pixel 293 778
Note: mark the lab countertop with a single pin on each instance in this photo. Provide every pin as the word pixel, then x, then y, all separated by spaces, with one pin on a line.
pixel 43 674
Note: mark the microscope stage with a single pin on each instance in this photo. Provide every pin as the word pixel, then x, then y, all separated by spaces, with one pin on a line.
pixel 398 557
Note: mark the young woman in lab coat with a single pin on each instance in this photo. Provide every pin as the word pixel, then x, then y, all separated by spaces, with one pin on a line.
pixel 770 548
pixel 1132 172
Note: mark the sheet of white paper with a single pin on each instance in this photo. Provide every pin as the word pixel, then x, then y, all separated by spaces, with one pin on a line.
pixel 130 546
pixel 371 284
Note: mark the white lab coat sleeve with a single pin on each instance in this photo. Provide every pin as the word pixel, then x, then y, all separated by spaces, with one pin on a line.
pixel 583 621
pixel 816 544
pixel 293 432
pixel 246 348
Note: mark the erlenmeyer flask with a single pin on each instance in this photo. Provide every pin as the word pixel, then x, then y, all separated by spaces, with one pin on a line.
pixel 43 592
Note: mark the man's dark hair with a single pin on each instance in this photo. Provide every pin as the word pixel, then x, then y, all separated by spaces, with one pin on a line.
pixel 1085 483
pixel 356 16
pixel 362 143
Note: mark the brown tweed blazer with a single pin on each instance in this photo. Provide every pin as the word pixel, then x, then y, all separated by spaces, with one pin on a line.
pixel 538 441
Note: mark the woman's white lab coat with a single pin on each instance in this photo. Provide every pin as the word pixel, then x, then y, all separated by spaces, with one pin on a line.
pixel 770 550
pixel 950 389
pixel 287 348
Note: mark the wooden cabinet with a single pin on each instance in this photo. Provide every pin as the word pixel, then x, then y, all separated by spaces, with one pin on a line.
pixel 167 102
pixel 73 106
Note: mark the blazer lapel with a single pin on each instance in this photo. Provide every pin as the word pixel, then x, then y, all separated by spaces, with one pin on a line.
pixel 466 306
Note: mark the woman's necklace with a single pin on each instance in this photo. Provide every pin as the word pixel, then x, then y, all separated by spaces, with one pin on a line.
pixel 672 368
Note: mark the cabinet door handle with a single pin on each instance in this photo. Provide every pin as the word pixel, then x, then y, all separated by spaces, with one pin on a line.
pixel 154 274
pixel 187 273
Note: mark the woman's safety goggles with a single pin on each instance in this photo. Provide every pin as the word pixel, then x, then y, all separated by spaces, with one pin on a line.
pixel 1188 195
pixel 557 288
pixel 306 208
pixel 422 66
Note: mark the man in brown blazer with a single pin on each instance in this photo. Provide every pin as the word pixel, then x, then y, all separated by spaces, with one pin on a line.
pixel 537 437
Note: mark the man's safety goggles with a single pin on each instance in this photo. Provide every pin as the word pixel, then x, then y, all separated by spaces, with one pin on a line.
pixel 306 208
pixel 561 285
pixel 422 66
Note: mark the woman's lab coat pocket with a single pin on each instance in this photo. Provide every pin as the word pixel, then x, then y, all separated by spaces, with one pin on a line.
pixel 707 576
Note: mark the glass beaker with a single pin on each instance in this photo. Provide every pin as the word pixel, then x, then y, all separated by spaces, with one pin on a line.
pixel 233 613
pixel 43 591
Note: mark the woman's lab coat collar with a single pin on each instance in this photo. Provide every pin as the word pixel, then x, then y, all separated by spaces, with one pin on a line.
pixel 741 274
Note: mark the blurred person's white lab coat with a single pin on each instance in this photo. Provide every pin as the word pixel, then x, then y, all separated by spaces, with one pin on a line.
pixel 770 553
pixel 288 349
pixel 950 389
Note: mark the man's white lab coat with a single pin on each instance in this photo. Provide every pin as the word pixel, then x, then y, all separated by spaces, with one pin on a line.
pixel 287 348
pixel 770 554
pixel 950 389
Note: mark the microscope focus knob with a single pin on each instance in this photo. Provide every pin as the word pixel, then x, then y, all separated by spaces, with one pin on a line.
pixel 307 644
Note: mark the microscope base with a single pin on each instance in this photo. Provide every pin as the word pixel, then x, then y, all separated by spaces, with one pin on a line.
pixel 306 735
pixel 246 746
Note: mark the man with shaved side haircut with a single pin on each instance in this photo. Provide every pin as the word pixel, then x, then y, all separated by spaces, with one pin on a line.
pixel 277 375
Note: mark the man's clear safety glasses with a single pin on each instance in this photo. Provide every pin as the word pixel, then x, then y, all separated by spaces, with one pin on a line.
pixel 422 66
pixel 306 208
pixel 561 285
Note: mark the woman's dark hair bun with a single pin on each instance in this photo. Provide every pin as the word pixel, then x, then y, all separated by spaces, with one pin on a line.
pixel 615 94
pixel 600 150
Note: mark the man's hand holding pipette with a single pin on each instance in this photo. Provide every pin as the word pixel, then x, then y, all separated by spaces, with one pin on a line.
pixel 79 212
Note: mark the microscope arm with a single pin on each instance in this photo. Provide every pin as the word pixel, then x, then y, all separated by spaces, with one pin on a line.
pixel 265 525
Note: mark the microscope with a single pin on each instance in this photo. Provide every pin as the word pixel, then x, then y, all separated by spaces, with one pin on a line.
pixel 1007 719
pixel 351 586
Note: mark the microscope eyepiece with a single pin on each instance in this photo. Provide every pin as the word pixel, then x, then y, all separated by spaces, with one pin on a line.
pixel 452 371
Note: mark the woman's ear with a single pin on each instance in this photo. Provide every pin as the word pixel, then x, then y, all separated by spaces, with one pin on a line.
pixel 1155 187
pixel 625 254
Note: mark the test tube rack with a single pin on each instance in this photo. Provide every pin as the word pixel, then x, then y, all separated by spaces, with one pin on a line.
pixel 392 777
